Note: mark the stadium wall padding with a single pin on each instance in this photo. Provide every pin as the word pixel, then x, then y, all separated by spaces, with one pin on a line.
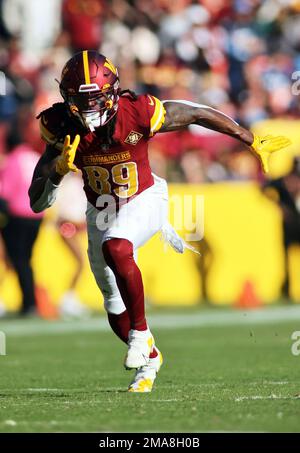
pixel 243 243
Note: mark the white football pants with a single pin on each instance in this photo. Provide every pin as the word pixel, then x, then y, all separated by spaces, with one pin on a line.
pixel 136 221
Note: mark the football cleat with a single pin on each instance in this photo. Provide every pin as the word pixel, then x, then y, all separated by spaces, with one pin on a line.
pixel 140 343
pixel 145 376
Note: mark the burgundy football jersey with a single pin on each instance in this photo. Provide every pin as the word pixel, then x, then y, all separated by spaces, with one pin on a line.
pixel 117 167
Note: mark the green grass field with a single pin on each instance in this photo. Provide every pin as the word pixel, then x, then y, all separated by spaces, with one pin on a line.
pixel 223 371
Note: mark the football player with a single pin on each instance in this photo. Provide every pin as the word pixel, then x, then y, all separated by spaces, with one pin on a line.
pixel 104 132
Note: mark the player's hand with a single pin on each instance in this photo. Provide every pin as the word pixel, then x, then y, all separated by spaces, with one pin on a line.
pixel 263 147
pixel 65 162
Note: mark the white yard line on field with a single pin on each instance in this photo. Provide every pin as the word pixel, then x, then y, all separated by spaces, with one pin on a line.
pixel 203 318
pixel 265 397
pixel 51 423
pixel 199 386
pixel 43 390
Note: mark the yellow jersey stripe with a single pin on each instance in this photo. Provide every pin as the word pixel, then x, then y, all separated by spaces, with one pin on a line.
pixel 158 116
pixel 86 67
pixel 46 135
pixel 49 138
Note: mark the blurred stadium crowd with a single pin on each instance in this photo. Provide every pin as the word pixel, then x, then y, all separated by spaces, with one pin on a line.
pixel 235 55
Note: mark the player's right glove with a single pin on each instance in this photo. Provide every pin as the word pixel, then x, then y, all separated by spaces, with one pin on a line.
pixel 263 147
pixel 65 162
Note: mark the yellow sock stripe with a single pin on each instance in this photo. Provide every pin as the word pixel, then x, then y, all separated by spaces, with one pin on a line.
pixel 86 67
pixel 158 116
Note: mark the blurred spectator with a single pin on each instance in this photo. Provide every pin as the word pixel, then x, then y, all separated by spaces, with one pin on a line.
pixel 71 206
pixel 237 56
pixel 21 226
pixel 286 192
pixel 36 23
pixel 193 168
pixel 82 19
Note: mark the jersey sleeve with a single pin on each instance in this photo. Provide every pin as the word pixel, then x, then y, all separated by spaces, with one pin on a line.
pixel 152 113
pixel 50 128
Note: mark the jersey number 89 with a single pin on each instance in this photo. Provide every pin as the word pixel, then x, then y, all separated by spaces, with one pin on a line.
pixel 124 175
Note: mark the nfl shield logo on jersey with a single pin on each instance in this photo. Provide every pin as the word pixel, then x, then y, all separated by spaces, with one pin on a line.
pixel 133 138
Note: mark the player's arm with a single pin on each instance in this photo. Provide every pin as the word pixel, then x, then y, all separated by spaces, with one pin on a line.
pixel 49 172
pixel 180 114
pixel 45 181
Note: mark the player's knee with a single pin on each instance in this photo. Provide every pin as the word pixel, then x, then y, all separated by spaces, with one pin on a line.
pixel 117 253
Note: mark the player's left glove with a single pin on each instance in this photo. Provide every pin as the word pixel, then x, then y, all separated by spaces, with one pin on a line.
pixel 263 147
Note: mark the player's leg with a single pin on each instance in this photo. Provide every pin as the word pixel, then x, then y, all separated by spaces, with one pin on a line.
pixel 105 279
pixel 117 314
pixel 120 324
pixel 118 254
pixel 155 200
pixel 136 223
pixel 131 325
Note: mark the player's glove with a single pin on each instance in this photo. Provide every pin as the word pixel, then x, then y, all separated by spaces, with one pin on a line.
pixel 263 147
pixel 65 161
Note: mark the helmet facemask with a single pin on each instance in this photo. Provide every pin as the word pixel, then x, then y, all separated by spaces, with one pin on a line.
pixel 93 108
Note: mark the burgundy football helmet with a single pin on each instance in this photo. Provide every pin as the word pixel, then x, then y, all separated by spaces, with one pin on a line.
pixel 90 87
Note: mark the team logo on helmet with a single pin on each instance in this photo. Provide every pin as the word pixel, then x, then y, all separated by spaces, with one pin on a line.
pixel 108 64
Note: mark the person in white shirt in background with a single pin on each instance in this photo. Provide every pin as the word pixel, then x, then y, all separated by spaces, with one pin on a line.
pixel 37 23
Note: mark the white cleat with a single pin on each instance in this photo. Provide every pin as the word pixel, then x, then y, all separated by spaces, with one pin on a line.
pixel 140 344
pixel 144 377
